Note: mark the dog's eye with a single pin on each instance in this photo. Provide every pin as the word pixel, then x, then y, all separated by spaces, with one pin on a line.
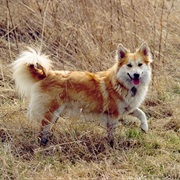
pixel 129 65
pixel 140 64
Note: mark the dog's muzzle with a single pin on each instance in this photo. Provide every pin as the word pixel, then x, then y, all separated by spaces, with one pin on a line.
pixel 135 79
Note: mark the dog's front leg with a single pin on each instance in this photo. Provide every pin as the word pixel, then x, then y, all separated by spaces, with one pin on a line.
pixel 110 132
pixel 141 115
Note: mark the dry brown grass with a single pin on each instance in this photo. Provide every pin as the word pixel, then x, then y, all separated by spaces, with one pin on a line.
pixel 83 35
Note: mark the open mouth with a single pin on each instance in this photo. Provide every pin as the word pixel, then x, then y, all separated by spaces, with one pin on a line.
pixel 135 80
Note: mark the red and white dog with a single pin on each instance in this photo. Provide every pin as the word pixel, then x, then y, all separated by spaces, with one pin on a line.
pixel 106 95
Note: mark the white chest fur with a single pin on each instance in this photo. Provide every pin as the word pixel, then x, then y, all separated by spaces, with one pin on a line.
pixel 132 100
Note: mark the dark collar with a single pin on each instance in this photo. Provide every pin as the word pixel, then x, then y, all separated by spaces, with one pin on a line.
pixel 134 91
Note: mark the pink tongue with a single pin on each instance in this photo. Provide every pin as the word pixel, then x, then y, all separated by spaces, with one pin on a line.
pixel 136 82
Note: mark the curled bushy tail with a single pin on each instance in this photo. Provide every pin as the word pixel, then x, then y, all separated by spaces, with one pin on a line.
pixel 28 69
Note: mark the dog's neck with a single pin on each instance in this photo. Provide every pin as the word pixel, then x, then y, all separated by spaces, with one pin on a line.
pixel 134 91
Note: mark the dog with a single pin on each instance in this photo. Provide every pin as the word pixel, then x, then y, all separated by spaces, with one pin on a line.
pixel 107 95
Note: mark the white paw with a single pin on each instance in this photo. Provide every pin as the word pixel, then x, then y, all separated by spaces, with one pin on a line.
pixel 144 127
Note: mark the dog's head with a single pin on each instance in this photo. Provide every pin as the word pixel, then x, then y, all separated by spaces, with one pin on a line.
pixel 133 69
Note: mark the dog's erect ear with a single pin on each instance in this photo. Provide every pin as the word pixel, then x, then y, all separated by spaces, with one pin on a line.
pixel 121 52
pixel 144 49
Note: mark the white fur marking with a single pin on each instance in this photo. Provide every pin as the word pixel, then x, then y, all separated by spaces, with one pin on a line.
pixel 141 115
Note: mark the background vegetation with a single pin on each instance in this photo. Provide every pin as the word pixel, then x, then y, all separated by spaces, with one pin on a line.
pixel 83 35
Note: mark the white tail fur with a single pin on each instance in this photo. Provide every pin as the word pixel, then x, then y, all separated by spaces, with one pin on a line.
pixel 21 71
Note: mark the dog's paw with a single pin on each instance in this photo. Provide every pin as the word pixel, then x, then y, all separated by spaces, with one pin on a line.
pixel 111 143
pixel 144 127
pixel 43 141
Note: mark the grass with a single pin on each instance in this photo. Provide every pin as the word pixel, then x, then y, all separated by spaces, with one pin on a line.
pixel 83 35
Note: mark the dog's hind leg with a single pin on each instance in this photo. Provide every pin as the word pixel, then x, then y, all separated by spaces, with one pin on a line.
pixel 141 115
pixel 49 120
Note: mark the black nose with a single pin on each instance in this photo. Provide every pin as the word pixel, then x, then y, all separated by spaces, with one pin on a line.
pixel 136 76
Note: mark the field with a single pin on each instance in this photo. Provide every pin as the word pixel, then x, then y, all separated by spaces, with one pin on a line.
pixel 83 35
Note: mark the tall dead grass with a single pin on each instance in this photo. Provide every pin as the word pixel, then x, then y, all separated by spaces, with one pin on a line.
pixel 83 35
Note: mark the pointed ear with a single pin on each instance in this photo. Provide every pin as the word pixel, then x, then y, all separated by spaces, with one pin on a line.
pixel 121 52
pixel 144 49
